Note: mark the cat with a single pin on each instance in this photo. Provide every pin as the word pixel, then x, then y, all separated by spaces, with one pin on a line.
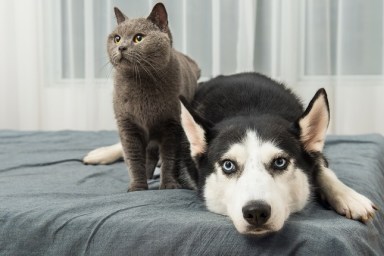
pixel 150 75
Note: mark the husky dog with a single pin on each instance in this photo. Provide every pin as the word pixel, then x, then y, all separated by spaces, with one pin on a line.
pixel 259 153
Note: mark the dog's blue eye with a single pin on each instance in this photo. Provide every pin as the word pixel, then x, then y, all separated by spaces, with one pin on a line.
pixel 280 163
pixel 228 167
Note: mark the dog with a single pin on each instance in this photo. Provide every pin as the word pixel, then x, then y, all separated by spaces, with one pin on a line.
pixel 259 153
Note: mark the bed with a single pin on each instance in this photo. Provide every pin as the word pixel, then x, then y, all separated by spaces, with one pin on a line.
pixel 52 204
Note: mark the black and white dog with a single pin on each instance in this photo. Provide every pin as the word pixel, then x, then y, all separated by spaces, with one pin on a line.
pixel 259 153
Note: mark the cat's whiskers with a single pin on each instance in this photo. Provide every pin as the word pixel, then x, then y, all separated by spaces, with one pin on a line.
pixel 137 76
pixel 136 69
pixel 138 59
pixel 115 58
pixel 159 75
pixel 138 73
pixel 147 71
pixel 109 71
pixel 135 72
pixel 109 74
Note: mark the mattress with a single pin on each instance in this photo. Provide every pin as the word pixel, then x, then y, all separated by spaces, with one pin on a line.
pixel 53 204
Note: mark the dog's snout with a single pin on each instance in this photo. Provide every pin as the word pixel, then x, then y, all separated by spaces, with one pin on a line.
pixel 257 213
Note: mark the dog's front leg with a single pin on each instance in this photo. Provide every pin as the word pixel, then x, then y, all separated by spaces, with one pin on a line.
pixel 343 199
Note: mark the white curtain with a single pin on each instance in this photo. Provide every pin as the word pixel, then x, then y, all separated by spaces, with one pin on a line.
pixel 55 72
pixel 20 58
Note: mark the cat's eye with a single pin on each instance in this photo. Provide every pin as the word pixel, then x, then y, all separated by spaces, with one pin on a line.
pixel 117 39
pixel 228 167
pixel 138 38
pixel 280 163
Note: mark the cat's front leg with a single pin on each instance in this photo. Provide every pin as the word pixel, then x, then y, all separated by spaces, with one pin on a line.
pixel 170 147
pixel 343 199
pixel 134 144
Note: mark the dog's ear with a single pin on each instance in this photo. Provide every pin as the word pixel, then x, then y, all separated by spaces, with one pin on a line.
pixel 195 132
pixel 120 17
pixel 314 122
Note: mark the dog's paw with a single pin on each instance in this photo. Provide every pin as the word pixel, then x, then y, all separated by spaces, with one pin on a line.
pixel 170 185
pixel 104 155
pixel 349 203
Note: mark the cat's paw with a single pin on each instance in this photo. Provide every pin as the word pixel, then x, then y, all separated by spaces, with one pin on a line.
pixel 170 185
pixel 349 203
pixel 137 187
pixel 104 155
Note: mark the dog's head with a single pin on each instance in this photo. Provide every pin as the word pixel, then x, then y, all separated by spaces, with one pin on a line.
pixel 257 170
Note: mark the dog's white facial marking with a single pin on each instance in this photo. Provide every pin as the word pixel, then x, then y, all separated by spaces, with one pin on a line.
pixel 285 192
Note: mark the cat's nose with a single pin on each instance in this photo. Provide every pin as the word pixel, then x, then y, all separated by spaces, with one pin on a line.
pixel 122 48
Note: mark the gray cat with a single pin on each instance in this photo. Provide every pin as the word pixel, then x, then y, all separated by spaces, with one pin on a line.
pixel 149 78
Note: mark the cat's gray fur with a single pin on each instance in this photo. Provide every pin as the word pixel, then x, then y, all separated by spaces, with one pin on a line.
pixel 149 78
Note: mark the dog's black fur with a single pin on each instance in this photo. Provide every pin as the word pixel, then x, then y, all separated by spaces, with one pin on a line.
pixel 227 106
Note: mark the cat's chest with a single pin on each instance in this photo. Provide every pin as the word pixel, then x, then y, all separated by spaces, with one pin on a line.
pixel 146 108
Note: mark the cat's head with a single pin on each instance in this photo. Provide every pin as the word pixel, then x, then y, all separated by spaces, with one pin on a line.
pixel 142 44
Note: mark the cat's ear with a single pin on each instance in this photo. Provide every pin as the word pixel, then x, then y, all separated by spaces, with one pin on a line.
pixel 159 16
pixel 120 17
pixel 314 122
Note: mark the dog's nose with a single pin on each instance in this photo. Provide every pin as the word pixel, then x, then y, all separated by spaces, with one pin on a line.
pixel 257 213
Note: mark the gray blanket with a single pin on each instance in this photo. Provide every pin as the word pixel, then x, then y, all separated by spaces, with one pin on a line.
pixel 52 204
